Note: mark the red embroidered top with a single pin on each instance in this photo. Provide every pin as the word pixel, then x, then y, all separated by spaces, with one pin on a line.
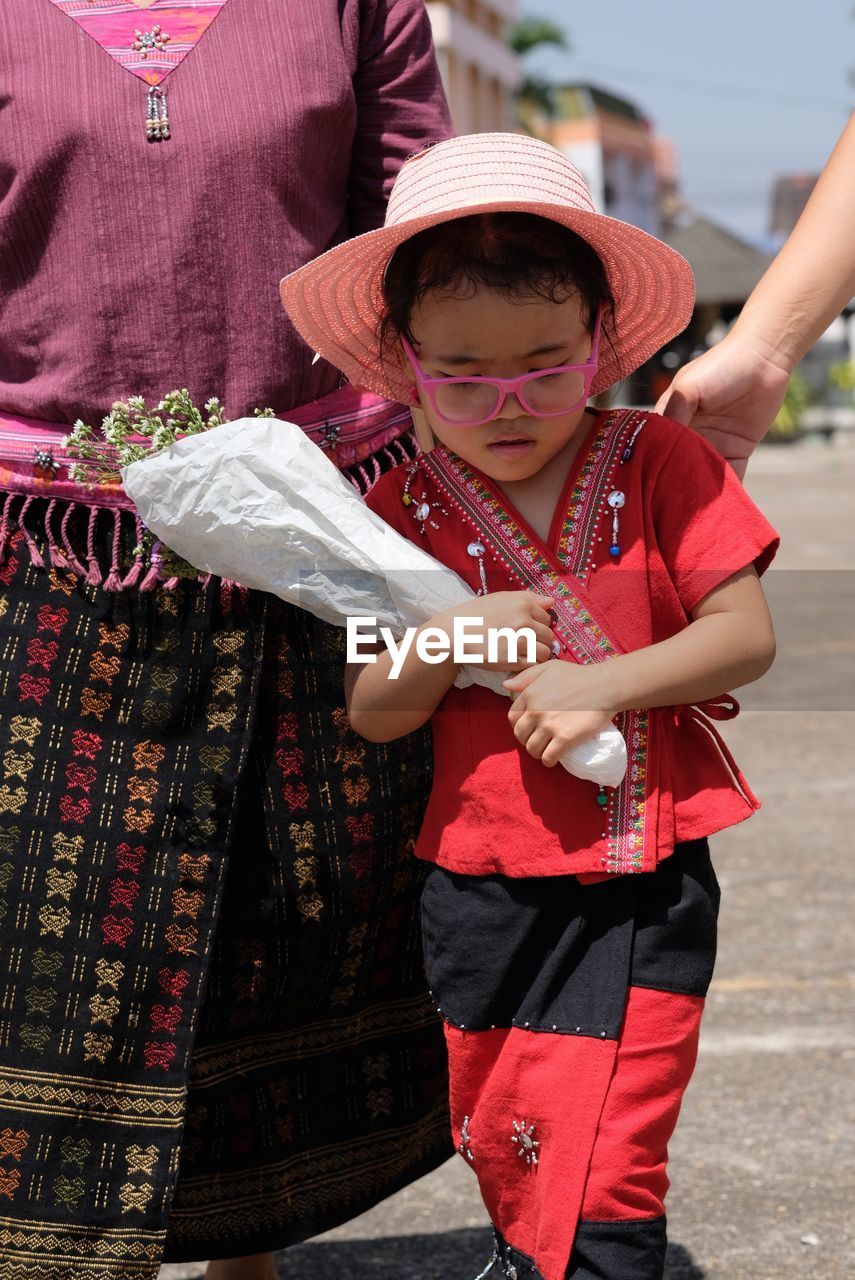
pixel 687 525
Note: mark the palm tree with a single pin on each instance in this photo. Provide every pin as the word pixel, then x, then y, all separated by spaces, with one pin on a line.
pixel 536 95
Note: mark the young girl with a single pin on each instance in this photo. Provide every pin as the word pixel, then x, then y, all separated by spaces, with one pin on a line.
pixel 569 931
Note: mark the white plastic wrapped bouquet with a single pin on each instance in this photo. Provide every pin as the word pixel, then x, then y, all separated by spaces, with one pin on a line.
pixel 256 501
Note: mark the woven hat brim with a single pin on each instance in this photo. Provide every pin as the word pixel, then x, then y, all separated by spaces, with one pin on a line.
pixel 336 301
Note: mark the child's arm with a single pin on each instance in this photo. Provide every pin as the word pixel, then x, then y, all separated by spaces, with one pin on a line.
pixel 382 708
pixel 730 642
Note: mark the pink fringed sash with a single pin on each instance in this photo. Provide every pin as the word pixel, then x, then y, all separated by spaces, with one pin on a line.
pixel 357 429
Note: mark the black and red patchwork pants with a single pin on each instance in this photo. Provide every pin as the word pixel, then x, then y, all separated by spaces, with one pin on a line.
pixel 572 1015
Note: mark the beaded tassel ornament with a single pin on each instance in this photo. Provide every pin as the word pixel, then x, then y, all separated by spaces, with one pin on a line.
pixel 157 117
pixel 616 500
pixel 424 510
pixel 476 550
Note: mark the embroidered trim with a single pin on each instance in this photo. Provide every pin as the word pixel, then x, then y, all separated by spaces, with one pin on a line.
pixel 513 548
pixel 151 54
pixel 577 541
pixel 576 548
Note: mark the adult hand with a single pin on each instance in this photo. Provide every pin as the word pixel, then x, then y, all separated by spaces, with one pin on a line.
pixel 730 395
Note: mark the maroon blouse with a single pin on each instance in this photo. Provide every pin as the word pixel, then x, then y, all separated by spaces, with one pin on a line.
pixel 135 267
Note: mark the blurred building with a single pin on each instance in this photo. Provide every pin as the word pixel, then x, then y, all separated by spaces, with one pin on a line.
pixel 479 71
pixel 726 267
pixel 633 175
pixel 612 142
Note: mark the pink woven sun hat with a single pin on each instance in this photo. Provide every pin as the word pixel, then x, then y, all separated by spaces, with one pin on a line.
pixel 336 301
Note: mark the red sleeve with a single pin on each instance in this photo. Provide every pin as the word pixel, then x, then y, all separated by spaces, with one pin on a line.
pixel 400 102
pixel 707 528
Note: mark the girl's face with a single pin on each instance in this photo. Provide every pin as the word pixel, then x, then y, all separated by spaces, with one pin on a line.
pixel 492 335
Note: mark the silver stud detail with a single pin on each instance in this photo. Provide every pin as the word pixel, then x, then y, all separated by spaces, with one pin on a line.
pixel 464 1146
pixel 43 459
pixel 525 1142
pixel 144 41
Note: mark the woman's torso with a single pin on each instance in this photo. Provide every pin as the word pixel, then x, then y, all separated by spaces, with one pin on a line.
pixel 135 267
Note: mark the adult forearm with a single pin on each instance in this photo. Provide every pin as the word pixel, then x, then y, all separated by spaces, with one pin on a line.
pixel 813 276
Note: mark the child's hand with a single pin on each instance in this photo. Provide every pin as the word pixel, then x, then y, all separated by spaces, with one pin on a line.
pixel 510 610
pixel 558 705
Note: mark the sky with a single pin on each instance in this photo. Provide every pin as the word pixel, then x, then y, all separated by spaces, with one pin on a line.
pixel 745 89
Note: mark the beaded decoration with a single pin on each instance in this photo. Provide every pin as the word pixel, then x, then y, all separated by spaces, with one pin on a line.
pixel 491 1265
pixel 331 433
pixel 616 500
pixel 145 40
pixel 424 507
pixel 477 549
pixel 43 460
pixel 524 1140
pixel 629 447
pixel 151 54
pixel 157 116
pixel 464 1146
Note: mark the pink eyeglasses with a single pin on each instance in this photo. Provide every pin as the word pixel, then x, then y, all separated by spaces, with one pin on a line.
pixel 545 393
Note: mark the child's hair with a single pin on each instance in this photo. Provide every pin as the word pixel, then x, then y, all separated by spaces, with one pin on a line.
pixel 517 254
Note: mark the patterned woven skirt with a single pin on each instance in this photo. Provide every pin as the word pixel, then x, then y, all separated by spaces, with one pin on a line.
pixel 215 1036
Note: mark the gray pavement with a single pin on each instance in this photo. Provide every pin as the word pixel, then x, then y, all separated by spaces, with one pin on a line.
pixel 763 1163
